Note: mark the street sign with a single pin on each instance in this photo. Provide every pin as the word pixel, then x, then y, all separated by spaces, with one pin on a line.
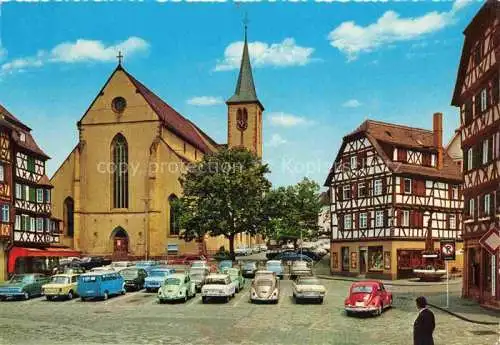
pixel 491 241
pixel 448 250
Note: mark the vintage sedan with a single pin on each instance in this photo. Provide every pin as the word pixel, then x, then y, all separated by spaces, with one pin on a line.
pixel 224 264
pixel 156 277
pixel 236 277
pixel 61 286
pixel 147 265
pixel 198 276
pixel 217 286
pixel 249 268
pixel 299 269
pixel 200 264
pixel 265 287
pixel 308 288
pixel 177 286
pixel 277 267
pixel 367 297
pixel 134 278
pixel 23 286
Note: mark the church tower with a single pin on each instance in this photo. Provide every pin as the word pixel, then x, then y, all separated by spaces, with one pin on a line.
pixel 244 113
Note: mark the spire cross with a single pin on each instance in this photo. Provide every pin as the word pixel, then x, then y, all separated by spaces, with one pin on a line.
pixel 120 57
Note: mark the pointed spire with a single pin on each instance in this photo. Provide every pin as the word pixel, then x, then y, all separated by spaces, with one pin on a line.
pixel 245 87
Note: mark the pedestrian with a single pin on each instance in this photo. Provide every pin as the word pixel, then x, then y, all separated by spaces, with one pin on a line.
pixel 424 324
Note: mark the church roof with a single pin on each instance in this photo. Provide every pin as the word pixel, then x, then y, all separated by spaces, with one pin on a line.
pixel 172 119
pixel 17 128
pixel 245 87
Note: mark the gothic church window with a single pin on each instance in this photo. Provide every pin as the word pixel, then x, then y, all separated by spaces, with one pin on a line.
pixel 119 156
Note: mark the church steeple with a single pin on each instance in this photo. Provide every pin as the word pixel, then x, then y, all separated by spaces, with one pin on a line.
pixel 245 87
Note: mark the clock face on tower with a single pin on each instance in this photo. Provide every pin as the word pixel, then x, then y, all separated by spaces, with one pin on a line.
pixel 242 119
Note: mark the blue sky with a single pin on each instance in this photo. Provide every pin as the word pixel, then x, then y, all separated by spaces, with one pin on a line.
pixel 320 68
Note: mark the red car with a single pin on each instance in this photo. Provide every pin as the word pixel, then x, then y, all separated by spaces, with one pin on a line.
pixel 367 296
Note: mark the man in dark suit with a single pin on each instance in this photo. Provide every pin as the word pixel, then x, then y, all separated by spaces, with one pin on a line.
pixel 424 324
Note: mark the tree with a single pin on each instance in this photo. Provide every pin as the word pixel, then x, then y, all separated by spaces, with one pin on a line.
pixel 224 195
pixel 293 211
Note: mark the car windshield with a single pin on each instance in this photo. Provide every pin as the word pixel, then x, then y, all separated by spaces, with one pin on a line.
pixel 249 265
pixel 273 264
pixel 172 281
pixel 362 289
pixel 158 273
pixel 129 273
pixel 21 279
pixel 60 280
pixel 309 281
pixel 216 281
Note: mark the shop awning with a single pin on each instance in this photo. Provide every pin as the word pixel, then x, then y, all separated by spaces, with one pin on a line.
pixel 17 252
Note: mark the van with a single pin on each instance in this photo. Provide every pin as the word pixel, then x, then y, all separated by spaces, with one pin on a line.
pixel 100 285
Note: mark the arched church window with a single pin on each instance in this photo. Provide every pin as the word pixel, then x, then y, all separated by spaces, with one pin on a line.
pixel 174 227
pixel 242 119
pixel 119 156
pixel 69 209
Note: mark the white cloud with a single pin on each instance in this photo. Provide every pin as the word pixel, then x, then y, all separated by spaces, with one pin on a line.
pixel 286 120
pixel 284 54
pixel 277 140
pixel 81 50
pixel 353 39
pixel 352 103
pixel 205 101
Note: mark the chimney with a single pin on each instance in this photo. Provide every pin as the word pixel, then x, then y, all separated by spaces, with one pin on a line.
pixel 437 129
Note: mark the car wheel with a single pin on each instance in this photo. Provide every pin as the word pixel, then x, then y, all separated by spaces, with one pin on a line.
pixel 48 298
pixel 320 300
pixel 379 310
pixel 148 290
pixel 106 296
pixel 390 303
pixel 237 289
pixel 348 313
pixel 226 299
pixel 204 299
pixel 26 295
pixel 161 301
pixel 70 295
pixel 82 299
pixel 2 298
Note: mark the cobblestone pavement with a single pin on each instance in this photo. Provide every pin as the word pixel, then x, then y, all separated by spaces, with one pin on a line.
pixel 136 318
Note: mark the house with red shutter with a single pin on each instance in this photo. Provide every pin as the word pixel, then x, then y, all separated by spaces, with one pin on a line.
pixel 389 184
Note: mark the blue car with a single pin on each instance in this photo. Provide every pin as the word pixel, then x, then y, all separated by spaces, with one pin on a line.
pixel 225 264
pixel 275 266
pixel 292 256
pixel 147 265
pixel 101 284
pixel 156 277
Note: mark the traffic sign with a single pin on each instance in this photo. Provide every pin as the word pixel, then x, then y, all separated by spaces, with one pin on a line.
pixel 448 250
pixel 491 241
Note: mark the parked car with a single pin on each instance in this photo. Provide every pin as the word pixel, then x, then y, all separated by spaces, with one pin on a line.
pixel 200 264
pixel 134 278
pixel 68 269
pixel 311 254
pixel 224 264
pixel 177 286
pixel 308 288
pixel 292 256
pixel 23 286
pixel 100 285
pixel 367 297
pixel 236 277
pixel 156 277
pixel 300 268
pixel 277 267
pixel 217 286
pixel 94 261
pixel 119 265
pixel 265 287
pixel 102 269
pixel 61 285
pixel 147 265
pixel 69 260
pixel 249 268
pixel 198 276
pixel 243 251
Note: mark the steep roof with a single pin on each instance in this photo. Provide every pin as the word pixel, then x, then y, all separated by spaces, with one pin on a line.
pixel 171 118
pixel 18 127
pixel 245 87
pixel 380 133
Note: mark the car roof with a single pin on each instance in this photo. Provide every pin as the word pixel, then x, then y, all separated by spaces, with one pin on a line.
pixel 217 275
pixel 98 273
pixel 366 282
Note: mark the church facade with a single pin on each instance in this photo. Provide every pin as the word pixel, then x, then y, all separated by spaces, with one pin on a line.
pixel 114 191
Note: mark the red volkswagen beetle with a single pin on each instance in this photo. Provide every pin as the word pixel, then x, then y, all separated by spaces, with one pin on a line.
pixel 367 296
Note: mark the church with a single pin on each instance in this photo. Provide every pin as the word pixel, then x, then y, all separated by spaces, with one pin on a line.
pixel 113 192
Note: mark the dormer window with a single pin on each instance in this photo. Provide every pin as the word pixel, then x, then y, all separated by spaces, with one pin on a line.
pixel 22 137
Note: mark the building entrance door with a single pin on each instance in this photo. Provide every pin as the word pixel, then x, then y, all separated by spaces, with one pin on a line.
pixel 362 261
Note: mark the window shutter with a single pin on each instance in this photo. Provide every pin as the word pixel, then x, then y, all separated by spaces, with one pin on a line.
pixel 447 221
pixel 450 191
pixel 369 187
pixel 341 222
pixel 356 220
pixel 402 184
pixel 490 149
pixel 498 200
pixel 401 155
pixel 465 159
pixel 354 191
pixel 411 221
pixel 384 185
pixel 386 218
pixel 466 207
pixel 340 194
pixel 400 217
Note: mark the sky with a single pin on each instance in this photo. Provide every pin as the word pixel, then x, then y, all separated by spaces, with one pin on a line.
pixel 320 68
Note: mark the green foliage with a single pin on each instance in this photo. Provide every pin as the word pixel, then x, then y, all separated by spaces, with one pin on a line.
pixel 224 194
pixel 293 210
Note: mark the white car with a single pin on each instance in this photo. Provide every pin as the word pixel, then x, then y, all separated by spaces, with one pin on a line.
pixel 265 287
pixel 243 251
pixel 308 288
pixel 218 286
pixel 201 264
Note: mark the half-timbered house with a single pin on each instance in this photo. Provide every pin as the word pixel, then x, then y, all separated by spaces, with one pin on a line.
pixel 26 224
pixel 477 94
pixel 387 182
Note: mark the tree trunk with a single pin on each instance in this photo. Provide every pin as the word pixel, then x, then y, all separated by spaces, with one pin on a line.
pixel 231 246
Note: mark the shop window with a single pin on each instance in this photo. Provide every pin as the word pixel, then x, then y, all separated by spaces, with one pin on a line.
pixel 376 258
